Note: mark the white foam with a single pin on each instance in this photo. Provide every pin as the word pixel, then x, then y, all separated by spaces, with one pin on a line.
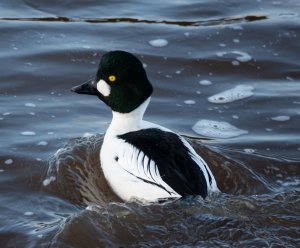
pixel 28 213
pixel 8 161
pixel 217 129
pixel 235 63
pixel 28 133
pixel 189 102
pixel 1 170
pixel 31 105
pixel 87 134
pixel 249 150
pixel 281 118
pixel 236 27
pixel 6 113
pixel 296 182
pixel 242 56
pixel 43 143
pixel 205 82
pixel 237 93
pixel 221 54
pixel 158 42
pixel 47 181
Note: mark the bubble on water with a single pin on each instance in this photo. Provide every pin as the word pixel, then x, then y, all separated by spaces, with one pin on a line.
pixel 235 117
pixel 6 113
pixel 43 143
pixel 187 34
pixel 205 82
pixel 222 45
pixel 28 133
pixel 158 42
pixel 217 129
pixel 281 118
pixel 47 181
pixel 236 40
pixel 237 93
pixel 269 129
pixel 31 113
pixel 30 104
pixel 189 102
pixel 8 161
pixel 145 65
pixel 28 213
pixel 235 63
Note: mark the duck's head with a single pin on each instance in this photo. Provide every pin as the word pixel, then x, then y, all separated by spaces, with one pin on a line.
pixel 121 82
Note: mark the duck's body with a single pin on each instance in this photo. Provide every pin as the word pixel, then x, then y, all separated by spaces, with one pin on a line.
pixel 141 160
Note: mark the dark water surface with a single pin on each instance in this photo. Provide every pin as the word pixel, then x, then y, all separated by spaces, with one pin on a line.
pixel 53 193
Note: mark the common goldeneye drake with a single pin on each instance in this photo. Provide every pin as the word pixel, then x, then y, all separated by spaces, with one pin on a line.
pixel 141 160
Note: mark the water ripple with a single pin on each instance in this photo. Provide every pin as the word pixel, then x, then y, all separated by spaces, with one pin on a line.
pixel 212 22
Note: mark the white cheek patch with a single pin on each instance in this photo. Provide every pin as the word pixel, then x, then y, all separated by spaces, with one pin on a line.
pixel 103 87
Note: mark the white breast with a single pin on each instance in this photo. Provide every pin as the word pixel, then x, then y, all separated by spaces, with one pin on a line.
pixel 130 173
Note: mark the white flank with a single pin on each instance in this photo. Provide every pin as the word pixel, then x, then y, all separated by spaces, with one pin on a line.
pixel 103 88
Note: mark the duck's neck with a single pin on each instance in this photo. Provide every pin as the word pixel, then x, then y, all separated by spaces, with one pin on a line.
pixel 127 122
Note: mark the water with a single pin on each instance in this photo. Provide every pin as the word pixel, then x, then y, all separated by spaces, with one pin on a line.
pixel 53 193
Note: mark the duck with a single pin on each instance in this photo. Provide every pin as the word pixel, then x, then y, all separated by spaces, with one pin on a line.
pixel 140 160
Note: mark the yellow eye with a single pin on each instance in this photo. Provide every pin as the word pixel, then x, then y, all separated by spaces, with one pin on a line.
pixel 112 78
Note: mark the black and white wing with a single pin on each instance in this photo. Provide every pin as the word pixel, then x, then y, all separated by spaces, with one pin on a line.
pixel 162 158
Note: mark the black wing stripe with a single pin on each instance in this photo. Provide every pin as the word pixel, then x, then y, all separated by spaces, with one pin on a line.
pixel 174 164
pixel 150 182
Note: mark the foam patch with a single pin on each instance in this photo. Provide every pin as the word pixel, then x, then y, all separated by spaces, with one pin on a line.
pixel 217 129
pixel 237 93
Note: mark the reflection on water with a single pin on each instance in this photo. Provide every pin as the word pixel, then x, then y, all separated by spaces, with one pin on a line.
pixel 228 70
